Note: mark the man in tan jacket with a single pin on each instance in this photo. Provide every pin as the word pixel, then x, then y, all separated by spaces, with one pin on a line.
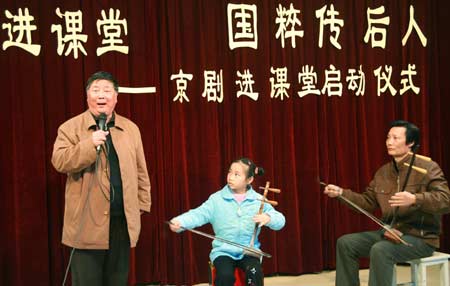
pixel 412 210
pixel 107 186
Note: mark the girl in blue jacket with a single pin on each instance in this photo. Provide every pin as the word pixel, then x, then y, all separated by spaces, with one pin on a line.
pixel 233 212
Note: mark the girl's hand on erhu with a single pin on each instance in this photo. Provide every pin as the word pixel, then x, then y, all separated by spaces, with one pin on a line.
pixel 262 219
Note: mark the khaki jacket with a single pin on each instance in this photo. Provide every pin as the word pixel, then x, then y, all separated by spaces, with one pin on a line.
pixel 86 214
pixel 423 219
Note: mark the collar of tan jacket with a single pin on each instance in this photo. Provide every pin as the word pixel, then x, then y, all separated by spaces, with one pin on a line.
pixel 400 165
pixel 89 122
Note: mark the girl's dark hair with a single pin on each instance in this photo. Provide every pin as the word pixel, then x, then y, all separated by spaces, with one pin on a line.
pixel 253 170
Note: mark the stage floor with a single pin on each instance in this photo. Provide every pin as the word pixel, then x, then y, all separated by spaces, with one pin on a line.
pixel 326 278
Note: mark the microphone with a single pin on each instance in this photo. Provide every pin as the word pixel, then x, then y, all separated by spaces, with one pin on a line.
pixel 101 126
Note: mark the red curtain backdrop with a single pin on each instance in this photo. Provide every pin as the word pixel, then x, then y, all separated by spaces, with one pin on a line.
pixel 190 145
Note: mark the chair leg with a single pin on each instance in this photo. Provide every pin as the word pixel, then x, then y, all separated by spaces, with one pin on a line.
pixel 444 274
pixel 422 274
pixel 394 276
pixel 414 272
pixel 210 273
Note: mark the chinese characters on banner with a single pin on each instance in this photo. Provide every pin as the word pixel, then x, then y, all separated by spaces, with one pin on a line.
pixel 242 25
pixel 69 33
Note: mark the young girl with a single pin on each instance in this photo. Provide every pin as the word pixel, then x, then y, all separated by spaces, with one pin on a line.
pixel 233 212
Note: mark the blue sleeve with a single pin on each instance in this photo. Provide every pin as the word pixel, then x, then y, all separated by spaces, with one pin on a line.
pixel 198 216
pixel 277 219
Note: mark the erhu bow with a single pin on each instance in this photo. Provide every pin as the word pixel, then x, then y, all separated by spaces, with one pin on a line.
pixel 393 232
pixel 252 250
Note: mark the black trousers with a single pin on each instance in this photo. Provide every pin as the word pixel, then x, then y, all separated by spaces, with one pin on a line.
pixel 92 267
pixel 225 270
